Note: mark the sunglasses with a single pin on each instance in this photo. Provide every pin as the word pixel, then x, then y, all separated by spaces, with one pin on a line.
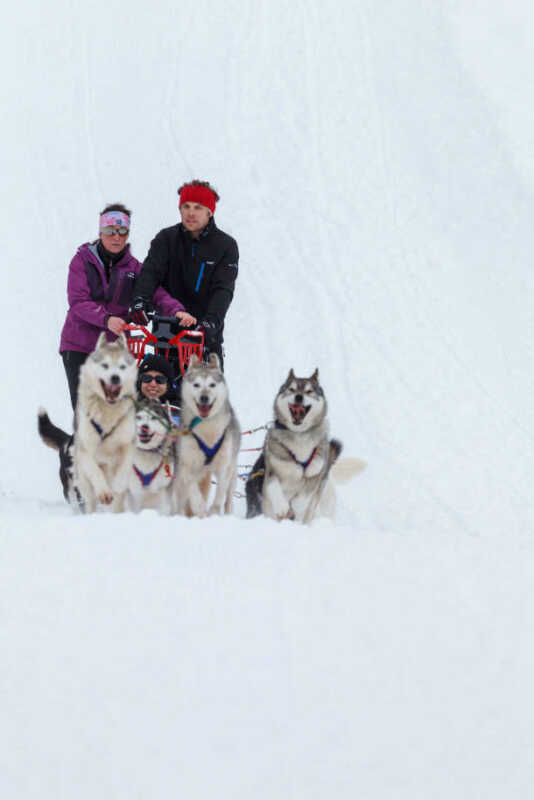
pixel 109 231
pixel 161 379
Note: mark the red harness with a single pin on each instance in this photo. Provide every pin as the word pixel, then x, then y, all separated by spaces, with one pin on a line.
pixel 303 464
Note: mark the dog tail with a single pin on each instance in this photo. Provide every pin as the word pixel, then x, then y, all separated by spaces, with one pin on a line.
pixel 53 437
pixel 335 450
pixel 254 487
pixel 346 468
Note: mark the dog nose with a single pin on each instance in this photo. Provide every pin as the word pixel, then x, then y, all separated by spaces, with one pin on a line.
pixel 298 399
pixel 204 399
pixel 114 380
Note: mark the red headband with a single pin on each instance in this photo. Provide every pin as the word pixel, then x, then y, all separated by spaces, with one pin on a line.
pixel 198 194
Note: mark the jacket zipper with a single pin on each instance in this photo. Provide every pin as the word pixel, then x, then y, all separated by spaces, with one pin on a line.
pixel 200 274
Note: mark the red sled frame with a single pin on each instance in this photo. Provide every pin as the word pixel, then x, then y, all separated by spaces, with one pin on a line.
pixel 187 344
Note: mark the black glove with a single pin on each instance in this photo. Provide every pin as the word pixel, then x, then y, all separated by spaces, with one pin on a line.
pixel 210 329
pixel 138 311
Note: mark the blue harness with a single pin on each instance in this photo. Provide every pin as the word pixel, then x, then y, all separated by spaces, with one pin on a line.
pixel 98 428
pixel 209 452
pixel 147 479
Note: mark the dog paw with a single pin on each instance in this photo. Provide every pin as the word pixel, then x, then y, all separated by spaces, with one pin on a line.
pixel 106 498
pixel 289 514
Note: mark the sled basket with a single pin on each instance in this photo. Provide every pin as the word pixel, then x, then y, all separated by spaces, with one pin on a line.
pixel 179 348
pixel 187 344
pixel 137 344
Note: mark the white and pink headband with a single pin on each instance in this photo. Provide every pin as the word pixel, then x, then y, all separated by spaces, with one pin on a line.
pixel 114 219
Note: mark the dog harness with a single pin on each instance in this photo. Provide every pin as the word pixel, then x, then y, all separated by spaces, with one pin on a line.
pixel 99 429
pixel 209 452
pixel 303 464
pixel 146 479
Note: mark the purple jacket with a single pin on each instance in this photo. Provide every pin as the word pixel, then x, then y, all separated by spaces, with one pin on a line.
pixel 93 299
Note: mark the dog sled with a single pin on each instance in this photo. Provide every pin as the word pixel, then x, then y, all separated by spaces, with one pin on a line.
pixel 169 340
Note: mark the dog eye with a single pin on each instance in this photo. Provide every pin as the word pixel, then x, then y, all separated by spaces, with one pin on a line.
pixel 196 385
pixel 122 366
pixel 212 385
pixel 105 366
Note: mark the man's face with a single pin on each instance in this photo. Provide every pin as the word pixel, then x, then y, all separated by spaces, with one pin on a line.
pixel 153 390
pixel 194 216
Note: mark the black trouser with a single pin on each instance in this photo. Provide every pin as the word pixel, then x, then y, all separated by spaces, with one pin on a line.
pixel 72 361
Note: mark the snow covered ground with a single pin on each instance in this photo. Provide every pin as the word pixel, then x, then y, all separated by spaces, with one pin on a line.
pixel 374 162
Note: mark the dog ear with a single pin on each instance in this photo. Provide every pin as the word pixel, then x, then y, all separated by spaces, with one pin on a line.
pixel 167 406
pixel 193 361
pixel 315 376
pixel 101 341
pixel 213 361
pixel 291 376
pixel 121 340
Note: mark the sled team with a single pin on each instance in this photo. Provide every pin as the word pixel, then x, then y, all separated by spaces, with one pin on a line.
pixel 127 451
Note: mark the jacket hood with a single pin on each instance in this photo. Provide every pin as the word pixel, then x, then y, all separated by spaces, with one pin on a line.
pixel 89 249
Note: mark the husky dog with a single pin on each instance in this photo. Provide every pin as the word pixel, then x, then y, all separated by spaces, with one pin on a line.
pixel 153 468
pixel 104 425
pixel 291 478
pixel 208 444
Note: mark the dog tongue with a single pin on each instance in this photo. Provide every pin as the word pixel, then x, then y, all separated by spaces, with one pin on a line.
pixel 203 410
pixel 112 392
pixel 298 412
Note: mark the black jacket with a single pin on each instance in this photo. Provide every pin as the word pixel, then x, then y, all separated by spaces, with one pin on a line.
pixel 200 273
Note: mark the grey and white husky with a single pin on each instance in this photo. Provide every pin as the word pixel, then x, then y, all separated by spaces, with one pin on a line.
pixel 208 444
pixel 104 426
pixel 292 477
pixel 154 459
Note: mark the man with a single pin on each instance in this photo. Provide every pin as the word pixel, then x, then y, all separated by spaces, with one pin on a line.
pixel 195 262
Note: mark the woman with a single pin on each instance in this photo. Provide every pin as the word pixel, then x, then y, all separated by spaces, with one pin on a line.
pixel 101 278
pixel 154 378
pixel 155 381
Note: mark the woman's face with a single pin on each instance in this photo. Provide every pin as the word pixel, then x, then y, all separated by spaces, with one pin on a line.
pixel 114 242
pixel 153 390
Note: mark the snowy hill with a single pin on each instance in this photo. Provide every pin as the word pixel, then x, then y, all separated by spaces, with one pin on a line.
pixel 375 166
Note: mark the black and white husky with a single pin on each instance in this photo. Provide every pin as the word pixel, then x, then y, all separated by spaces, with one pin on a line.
pixel 96 462
pixel 208 444
pixel 292 477
pixel 153 467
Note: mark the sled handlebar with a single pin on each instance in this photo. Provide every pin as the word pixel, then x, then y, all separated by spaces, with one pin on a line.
pixel 153 315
